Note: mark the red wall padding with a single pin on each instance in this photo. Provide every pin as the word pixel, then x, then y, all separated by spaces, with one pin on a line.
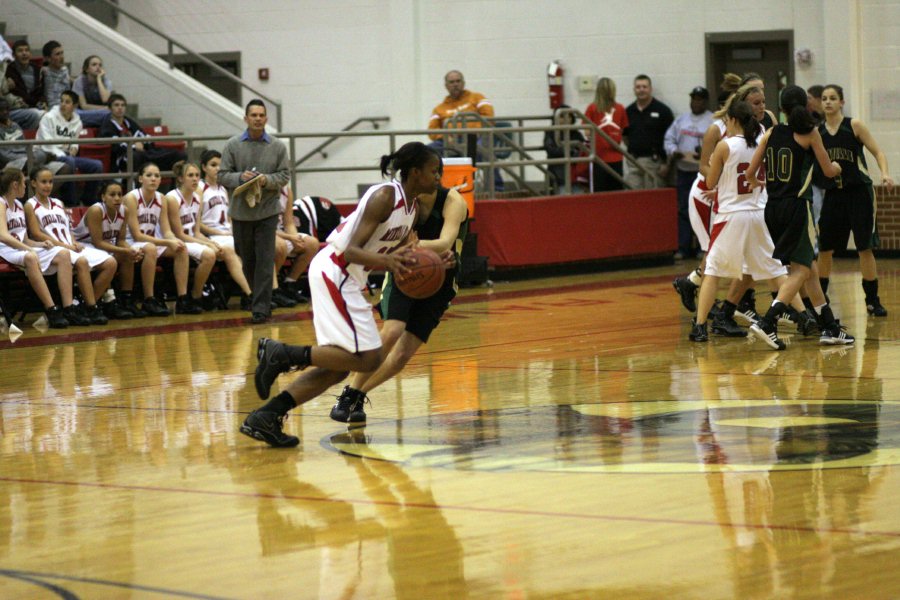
pixel 561 229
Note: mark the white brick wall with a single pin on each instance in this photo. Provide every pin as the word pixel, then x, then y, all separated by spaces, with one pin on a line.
pixel 331 62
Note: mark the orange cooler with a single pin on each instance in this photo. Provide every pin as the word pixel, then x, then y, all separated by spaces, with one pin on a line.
pixel 460 174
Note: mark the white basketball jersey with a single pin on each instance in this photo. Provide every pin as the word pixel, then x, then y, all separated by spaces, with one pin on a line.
pixel 53 219
pixel 215 207
pixel 111 226
pixel 387 235
pixel 148 214
pixel 188 210
pixel 734 191
pixel 15 219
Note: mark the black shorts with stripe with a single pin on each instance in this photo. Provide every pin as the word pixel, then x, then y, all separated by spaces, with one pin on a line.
pixel 790 224
pixel 845 210
pixel 421 316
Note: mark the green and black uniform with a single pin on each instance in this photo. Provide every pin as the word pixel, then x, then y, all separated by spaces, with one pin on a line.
pixel 788 178
pixel 422 316
pixel 849 202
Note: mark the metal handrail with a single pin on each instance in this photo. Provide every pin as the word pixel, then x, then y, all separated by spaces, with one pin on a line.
pixel 290 139
pixel 460 121
pixel 319 149
pixel 171 43
pixel 465 117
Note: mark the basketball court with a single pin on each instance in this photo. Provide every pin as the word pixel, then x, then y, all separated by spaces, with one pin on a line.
pixel 557 438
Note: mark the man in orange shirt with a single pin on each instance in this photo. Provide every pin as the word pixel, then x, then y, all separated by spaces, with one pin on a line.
pixel 460 100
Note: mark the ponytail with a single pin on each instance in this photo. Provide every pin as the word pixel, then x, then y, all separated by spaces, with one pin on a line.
pixel 412 155
pixel 793 104
pixel 742 112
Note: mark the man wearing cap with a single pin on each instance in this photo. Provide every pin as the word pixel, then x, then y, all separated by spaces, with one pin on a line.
pixel 682 144
pixel 648 120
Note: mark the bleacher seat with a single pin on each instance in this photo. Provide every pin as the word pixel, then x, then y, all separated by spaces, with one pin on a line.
pixel 100 152
pixel 154 130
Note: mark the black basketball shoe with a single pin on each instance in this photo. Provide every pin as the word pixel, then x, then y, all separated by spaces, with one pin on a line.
pixel 272 362
pixel 350 407
pixel 687 291
pixel 698 333
pixel 727 326
pixel 267 426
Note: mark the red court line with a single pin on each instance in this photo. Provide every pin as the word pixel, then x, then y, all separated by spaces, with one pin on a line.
pixel 471 509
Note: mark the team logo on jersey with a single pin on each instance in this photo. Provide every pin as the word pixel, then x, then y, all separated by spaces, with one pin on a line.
pixel 665 436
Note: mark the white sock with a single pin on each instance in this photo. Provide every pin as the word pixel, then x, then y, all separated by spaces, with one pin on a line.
pixel 695 277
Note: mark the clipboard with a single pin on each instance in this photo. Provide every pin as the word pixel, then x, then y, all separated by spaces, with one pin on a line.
pixel 250 189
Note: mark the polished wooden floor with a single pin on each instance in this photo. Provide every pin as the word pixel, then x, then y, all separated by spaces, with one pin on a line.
pixel 557 439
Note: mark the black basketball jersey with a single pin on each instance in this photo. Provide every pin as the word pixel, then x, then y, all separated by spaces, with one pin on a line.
pixel 788 165
pixel 767 122
pixel 847 151
pixel 430 228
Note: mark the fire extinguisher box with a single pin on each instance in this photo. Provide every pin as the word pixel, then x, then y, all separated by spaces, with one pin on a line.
pixel 459 173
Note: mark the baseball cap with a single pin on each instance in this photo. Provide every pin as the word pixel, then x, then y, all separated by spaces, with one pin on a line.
pixel 700 91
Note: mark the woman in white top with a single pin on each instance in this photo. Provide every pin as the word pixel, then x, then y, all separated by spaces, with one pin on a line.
pixel 103 227
pixel 740 241
pixel 35 258
pixel 184 206
pixel 144 214
pixel 375 236
pixel 48 220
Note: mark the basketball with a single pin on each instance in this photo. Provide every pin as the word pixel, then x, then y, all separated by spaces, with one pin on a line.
pixel 425 277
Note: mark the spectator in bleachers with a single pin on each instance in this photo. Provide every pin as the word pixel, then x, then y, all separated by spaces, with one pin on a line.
pixel 103 227
pixel 559 144
pixel 94 89
pixel 145 217
pixel 37 258
pixel 63 122
pixel 301 247
pixel 21 113
pixel 55 73
pixel 185 206
pixel 609 116
pixel 48 220
pixel 459 100
pixel 118 124
pixel 17 156
pixel 25 78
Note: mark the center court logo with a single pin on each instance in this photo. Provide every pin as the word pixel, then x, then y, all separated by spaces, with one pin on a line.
pixel 641 437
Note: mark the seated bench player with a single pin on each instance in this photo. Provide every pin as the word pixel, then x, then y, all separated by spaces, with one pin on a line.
pixel 47 219
pixel 37 259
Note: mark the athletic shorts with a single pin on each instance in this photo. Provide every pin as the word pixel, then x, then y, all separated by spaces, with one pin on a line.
pixel 195 250
pixel 421 316
pixel 160 250
pixel 846 210
pixel 700 211
pixel 342 316
pixel 791 227
pixel 740 244
pixel 225 241
pixel 45 257
pixel 93 256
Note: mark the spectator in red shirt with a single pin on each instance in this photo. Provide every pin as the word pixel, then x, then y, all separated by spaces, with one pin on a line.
pixel 610 117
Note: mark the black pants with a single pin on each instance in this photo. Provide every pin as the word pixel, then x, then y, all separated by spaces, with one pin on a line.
pixel 603 181
pixel 254 242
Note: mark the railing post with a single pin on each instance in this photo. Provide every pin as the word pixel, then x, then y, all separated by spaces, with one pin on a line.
pixel 170 55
